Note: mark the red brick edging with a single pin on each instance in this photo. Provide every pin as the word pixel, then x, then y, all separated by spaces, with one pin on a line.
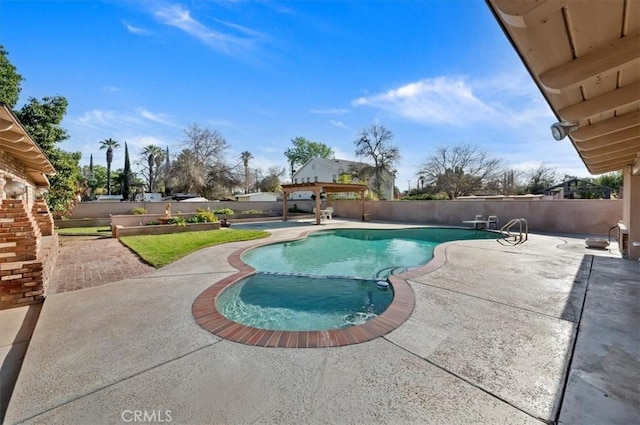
pixel 209 318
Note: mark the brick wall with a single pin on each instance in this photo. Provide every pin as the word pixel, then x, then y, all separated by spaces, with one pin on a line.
pixel 43 217
pixel 21 258
pixel 26 259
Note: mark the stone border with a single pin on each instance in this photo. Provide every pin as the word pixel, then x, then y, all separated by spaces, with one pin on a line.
pixel 209 318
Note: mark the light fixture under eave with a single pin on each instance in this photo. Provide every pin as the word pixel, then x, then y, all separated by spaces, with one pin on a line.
pixel 41 191
pixel 560 130
pixel 14 188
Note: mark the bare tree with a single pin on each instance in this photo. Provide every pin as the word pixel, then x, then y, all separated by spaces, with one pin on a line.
pixel 271 183
pixel 540 178
pixel 374 143
pixel 459 170
pixel 203 151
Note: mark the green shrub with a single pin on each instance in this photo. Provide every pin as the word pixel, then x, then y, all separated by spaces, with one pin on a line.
pixel 152 223
pixel 224 211
pixel 425 197
pixel 252 212
pixel 138 211
pixel 205 216
pixel 180 221
pixel 294 209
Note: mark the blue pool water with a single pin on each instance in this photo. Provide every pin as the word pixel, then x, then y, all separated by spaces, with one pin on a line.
pixel 281 302
pixel 328 280
pixel 365 253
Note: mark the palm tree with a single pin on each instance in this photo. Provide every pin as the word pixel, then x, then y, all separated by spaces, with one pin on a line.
pixel 246 157
pixel 154 156
pixel 109 145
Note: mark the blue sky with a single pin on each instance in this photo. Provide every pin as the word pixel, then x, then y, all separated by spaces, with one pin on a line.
pixel 262 72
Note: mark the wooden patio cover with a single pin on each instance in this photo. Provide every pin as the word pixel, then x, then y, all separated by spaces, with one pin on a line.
pixel 317 188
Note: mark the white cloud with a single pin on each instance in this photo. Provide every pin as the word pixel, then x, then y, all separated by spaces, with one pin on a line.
pixel 104 119
pixel 330 111
pixel 342 154
pixel 442 100
pixel 137 143
pixel 121 121
pixel 138 128
pixel 457 101
pixel 178 16
pixel 160 118
pixel 135 30
pixel 242 29
pixel 338 124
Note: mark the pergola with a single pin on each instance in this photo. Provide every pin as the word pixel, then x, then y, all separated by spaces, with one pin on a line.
pixel 584 55
pixel 317 188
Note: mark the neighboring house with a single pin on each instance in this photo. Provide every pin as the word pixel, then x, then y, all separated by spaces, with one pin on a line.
pixel 28 244
pixel 257 196
pixel 579 189
pixel 330 170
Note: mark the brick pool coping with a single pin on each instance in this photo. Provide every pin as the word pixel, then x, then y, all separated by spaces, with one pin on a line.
pixel 209 318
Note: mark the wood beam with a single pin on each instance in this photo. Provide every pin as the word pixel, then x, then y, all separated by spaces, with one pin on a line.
pixel 612 155
pixel 522 14
pixel 628 158
pixel 284 206
pixel 616 147
pixel 608 140
pixel 610 57
pixel 608 167
pixel 605 103
pixel 5 125
pixel 317 193
pixel 601 128
pixel 12 136
pixel 17 146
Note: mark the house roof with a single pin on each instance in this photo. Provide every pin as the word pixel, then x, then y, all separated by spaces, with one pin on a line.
pixel 577 180
pixel 248 195
pixel 15 141
pixel 337 165
pixel 585 58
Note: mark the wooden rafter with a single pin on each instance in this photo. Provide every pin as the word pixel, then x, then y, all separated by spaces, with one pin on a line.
pixel 603 104
pixel 609 58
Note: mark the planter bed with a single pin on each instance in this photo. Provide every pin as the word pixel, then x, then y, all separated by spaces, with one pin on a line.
pixel 161 229
pixel 128 225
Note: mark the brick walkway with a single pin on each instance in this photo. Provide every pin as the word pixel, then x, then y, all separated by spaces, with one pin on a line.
pixel 88 262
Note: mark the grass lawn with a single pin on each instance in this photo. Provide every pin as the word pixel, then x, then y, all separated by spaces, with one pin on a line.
pixel 160 250
pixel 77 231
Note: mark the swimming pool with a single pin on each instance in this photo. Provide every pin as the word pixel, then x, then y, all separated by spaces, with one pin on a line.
pixel 365 253
pixel 302 303
pixel 328 280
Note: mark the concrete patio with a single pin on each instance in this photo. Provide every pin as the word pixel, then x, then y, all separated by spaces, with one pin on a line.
pixel 543 332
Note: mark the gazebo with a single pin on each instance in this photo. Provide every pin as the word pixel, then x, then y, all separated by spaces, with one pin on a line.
pixel 319 187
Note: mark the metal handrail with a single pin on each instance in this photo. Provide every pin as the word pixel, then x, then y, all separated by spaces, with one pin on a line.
pixel 515 238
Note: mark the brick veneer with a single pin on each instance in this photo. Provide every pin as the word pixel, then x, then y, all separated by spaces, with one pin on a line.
pixel 41 213
pixel 22 269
